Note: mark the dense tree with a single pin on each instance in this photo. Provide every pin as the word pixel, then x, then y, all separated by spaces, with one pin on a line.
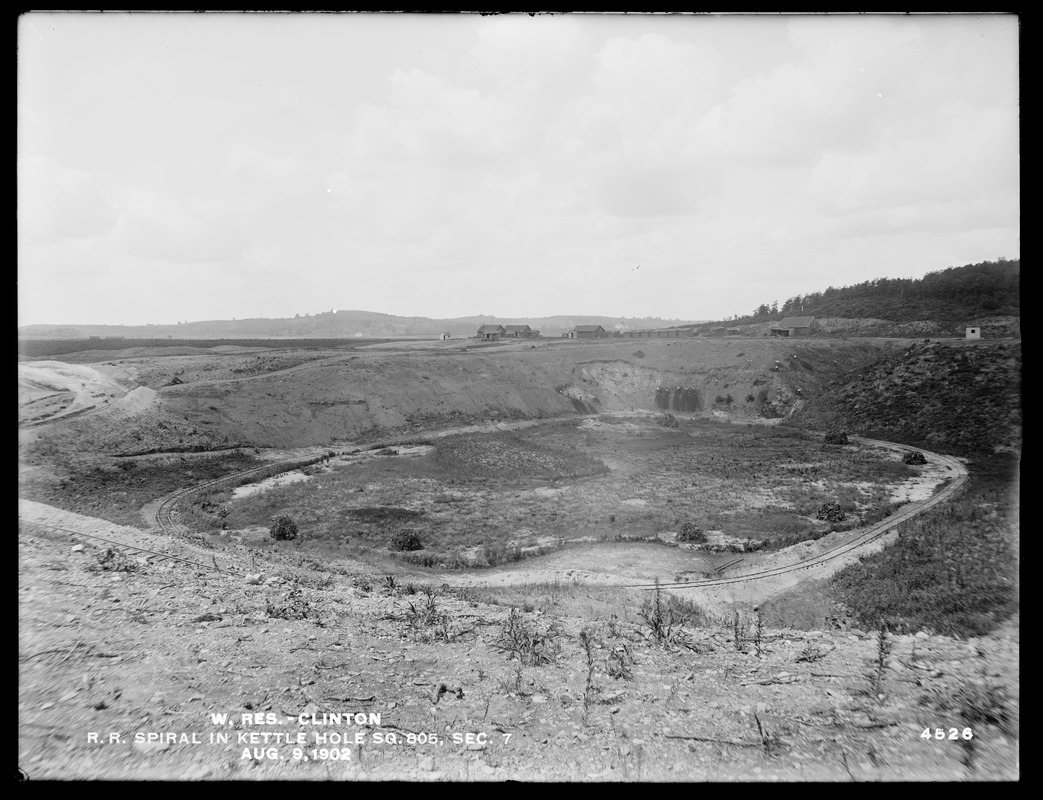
pixel 991 288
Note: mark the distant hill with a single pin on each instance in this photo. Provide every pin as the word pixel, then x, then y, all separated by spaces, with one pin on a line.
pixel 954 295
pixel 340 324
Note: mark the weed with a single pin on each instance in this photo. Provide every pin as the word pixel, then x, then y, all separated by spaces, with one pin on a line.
pixel 619 662
pixel 523 640
pixel 739 630
pixel 294 606
pixel 513 685
pixel 113 560
pixel 758 631
pixel 769 741
pixel 426 622
pixel 880 662
pixel 811 653
pixel 324 583
pixel 362 583
pixel 590 644
pixel 657 617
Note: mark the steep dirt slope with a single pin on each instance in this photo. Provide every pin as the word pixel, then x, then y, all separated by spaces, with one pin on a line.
pixel 324 402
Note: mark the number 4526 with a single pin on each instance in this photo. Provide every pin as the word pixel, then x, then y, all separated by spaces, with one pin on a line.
pixel 951 733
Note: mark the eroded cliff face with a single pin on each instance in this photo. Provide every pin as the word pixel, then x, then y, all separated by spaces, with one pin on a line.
pixel 378 391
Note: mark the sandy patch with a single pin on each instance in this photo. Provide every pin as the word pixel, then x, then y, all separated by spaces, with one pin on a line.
pixel 547 491
pixel 136 401
pixel 637 502
pixel 273 482
pixel 922 486
pixel 52 389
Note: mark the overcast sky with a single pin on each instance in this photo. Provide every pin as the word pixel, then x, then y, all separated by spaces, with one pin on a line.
pixel 190 167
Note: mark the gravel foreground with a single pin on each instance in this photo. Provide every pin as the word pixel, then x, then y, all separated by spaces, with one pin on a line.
pixel 125 665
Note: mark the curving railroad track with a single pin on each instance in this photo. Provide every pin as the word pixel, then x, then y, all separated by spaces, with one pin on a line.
pixel 166 509
pixel 66 415
pixel 841 549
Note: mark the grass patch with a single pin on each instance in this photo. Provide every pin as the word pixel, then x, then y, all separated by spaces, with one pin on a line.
pixel 491 499
pixel 951 570
pixel 113 491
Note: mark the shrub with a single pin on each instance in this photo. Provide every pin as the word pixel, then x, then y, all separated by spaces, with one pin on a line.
pixel 498 553
pixel 837 437
pixel 405 541
pixel 283 529
pixel 830 511
pixel 667 421
pixel 916 457
pixel 690 532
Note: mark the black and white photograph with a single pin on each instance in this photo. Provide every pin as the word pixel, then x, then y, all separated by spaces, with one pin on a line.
pixel 536 397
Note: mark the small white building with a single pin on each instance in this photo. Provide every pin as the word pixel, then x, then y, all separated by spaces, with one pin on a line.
pixel 974 333
pixel 443 336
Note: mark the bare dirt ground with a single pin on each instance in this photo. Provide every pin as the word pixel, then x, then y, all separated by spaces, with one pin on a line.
pixel 125 659
pixel 144 654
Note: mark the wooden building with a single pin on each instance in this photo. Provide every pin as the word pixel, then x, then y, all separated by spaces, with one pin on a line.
pixel 795 326
pixel 588 332
pixel 491 332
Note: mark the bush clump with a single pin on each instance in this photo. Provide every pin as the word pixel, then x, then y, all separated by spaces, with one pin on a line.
pixel 916 457
pixel 837 437
pixel 405 541
pixel 690 532
pixel 667 421
pixel 283 529
pixel 830 511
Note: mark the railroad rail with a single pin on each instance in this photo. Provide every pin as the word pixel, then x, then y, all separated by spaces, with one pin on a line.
pixel 61 417
pixel 152 556
pixel 843 548
pixel 165 512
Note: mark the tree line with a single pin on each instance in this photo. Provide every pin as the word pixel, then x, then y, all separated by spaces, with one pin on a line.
pixel 991 288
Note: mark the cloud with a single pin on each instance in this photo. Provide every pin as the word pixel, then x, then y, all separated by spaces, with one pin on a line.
pixel 517 55
pixel 166 229
pixel 245 161
pixel 428 119
pixel 826 95
pixel 56 202
pixel 965 155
